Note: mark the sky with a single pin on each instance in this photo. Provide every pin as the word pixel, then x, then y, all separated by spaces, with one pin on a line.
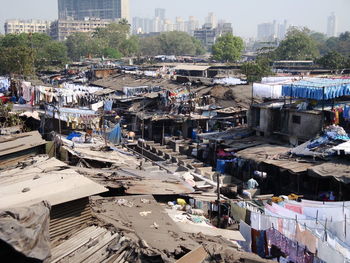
pixel 243 14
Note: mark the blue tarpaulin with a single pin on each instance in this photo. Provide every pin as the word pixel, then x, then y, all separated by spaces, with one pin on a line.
pixel 314 88
pixel 115 135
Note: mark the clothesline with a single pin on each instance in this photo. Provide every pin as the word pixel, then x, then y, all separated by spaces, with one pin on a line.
pixel 332 232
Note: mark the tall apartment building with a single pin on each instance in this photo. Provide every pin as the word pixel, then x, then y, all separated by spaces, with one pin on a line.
pixel 102 9
pixel 142 25
pixel 191 25
pixel 272 31
pixel 15 26
pixel 208 34
pixel 211 19
pixel 61 29
pixel 159 12
pixel 266 32
pixel 332 26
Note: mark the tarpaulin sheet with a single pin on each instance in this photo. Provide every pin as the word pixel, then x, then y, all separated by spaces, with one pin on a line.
pixel 338 170
pixel 27 230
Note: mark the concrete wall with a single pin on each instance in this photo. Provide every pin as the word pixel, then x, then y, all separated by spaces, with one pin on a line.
pixel 310 125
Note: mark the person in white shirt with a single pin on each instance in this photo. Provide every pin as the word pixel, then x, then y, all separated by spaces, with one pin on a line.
pixel 252 183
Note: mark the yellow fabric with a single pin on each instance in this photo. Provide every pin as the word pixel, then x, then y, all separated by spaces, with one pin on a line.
pixel 181 201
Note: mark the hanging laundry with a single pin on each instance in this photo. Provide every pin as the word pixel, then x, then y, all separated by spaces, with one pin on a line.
pixel 259 243
pixel 108 105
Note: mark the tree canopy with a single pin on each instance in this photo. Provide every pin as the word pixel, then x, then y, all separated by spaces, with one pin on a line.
pixel 112 42
pixel 255 70
pixel 26 53
pixel 333 60
pixel 171 43
pixel 228 48
pixel 298 45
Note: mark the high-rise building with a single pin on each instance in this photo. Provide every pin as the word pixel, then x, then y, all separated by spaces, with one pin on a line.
pixel 179 24
pixel 206 35
pixel 332 26
pixel 282 30
pixel 102 9
pixel 266 31
pixel 272 31
pixel 211 19
pixel 224 28
pixel 168 25
pixel 191 25
pixel 15 26
pixel 159 12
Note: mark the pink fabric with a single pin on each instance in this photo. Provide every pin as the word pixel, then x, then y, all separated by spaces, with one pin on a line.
pixel 295 208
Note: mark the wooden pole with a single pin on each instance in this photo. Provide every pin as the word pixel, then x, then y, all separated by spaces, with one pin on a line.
pixel 218 197
pixel 163 134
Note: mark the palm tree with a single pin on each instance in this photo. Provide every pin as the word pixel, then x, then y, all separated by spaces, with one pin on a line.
pixel 124 22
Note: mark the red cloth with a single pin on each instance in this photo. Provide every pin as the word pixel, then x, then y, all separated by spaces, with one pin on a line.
pixel 294 208
pixel 5 99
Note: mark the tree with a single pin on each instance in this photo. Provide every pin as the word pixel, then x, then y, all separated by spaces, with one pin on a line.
pixel 171 43
pixel 9 118
pixel 114 34
pixel 26 53
pixel 228 48
pixel 320 40
pixel 150 46
pixel 298 45
pixel 112 53
pixel 84 45
pixel 17 60
pixel 254 71
pixel 333 60
pixel 178 43
pixel 130 46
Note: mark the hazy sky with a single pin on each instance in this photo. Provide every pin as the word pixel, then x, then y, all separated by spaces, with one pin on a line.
pixel 244 14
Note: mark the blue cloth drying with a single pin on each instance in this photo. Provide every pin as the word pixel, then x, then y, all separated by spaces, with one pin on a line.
pixel 115 135
pixel 313 89
pixel 73 134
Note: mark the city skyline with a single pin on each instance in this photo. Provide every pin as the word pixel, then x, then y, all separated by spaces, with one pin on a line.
pixel 244 16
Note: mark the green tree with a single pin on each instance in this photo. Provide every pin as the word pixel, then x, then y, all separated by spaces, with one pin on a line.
pixel 17 60
pixel 150 46
pixel 112 53
pixel 81 45
pixel 130 46
pixel 114 34
pixel 333 60
pixel 178 43
pixel 255 70
pixel 228 48
pixel 298 45
pixel 171 43
pixel 26 53
pixel 320 40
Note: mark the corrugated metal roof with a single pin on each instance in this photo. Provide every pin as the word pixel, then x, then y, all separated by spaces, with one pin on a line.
pixel 20 142
pixel 44 179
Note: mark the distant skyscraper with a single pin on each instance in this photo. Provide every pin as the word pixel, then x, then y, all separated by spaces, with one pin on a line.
pixel 191 25
pixel 282 30
pixel 266 31
pixel 102 9
pixel 160 12
pixel 332 26
pixel 179 24
pixel 211 19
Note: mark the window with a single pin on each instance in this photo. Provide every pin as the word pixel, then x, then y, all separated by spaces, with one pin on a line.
pixel 296 119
